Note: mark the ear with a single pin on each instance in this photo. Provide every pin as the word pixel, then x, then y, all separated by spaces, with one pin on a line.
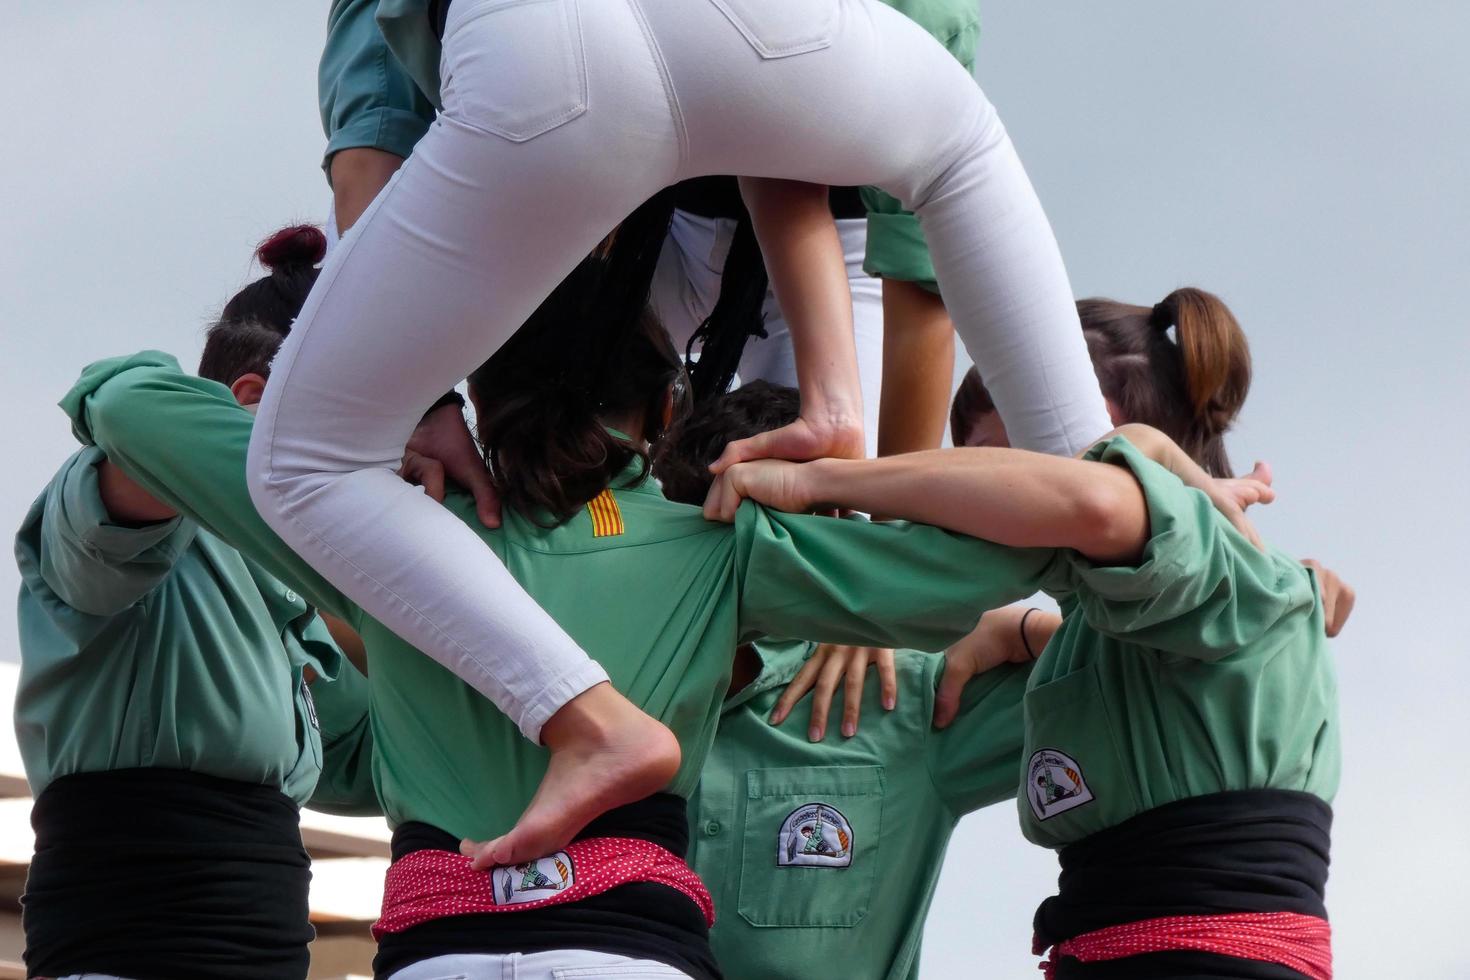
pixel 248 388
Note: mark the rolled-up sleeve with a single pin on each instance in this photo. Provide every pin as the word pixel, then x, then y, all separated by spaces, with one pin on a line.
pixel 368 99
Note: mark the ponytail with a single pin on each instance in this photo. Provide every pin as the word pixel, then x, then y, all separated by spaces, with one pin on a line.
pixel 1215 368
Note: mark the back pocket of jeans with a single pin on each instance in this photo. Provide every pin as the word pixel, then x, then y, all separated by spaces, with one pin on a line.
pixel 514 68
pixel 785 28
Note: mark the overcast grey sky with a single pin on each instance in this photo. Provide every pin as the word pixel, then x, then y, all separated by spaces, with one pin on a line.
pixel 1307 161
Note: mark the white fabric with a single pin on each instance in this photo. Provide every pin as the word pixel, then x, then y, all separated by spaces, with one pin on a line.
pixel 560 964
pixel 687 284
pixel 560 117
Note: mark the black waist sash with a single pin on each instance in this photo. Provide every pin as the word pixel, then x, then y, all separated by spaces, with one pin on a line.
pixel 161 873
pixel 643 920
pixel 1244 851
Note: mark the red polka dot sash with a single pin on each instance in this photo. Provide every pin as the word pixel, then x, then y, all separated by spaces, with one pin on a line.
pixel 1300 942
pixel 433 884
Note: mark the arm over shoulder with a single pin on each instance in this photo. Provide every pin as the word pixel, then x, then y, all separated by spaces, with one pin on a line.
pixel 851 581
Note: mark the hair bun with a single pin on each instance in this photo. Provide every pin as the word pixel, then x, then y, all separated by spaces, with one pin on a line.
pixel 294 247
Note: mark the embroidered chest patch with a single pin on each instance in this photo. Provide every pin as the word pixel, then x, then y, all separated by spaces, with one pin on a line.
pixel 814 835
pixel 533 880
pixel 607 517
pixel 1054 784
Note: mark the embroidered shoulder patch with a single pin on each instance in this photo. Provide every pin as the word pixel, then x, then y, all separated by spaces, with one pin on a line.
pixel 814 835
pixel 533 880
pixel 607 519
pixel 1054 784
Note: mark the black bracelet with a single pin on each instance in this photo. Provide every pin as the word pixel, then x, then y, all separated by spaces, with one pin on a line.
pixel 450 397
pixel 1025 642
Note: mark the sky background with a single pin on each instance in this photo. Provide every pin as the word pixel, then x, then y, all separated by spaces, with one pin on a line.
pixel 1306 161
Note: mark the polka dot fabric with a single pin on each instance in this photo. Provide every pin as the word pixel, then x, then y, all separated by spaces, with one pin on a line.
pixel 1300 942
pixel 432 884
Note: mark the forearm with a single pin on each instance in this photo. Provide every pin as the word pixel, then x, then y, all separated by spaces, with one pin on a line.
pixel 918 364
pixel 1007 496
pixel 803 255
pixel 358 174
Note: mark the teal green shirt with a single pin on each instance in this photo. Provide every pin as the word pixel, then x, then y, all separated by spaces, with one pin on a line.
pixel 1204 668
pixel 161 647
pixel 900 787
pixel 661 597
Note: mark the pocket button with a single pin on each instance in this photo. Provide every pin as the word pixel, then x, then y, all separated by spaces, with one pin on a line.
pixel 712 828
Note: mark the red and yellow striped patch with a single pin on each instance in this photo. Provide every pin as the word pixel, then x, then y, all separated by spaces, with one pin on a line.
pixel 606 518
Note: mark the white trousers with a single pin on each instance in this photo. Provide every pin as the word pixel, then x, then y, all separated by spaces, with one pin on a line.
pixel 560 117
pixel 560 964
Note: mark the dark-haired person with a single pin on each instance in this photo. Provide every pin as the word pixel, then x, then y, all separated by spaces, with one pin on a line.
pixel 660 595
pixel 1181 733
pixel 1190 386
pixel 887 800
pixel 166 713
pixel 557 119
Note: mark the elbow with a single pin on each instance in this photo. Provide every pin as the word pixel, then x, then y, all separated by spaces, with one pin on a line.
pixel 1113 521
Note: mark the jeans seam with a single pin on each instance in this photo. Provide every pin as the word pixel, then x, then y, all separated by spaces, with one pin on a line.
pixel 636 7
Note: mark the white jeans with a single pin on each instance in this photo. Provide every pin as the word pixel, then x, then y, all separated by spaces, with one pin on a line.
pixel 560 964
pixel 560 117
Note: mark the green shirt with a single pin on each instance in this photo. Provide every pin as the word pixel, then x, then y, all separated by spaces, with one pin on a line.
pixel 661 597
pixel 160 646
pixel 1203 668
pixel 900 785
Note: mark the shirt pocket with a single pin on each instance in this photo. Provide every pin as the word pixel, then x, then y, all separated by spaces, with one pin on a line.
pixel 1076 781
pixel 514 68
pixel 780 30
pixel 810 845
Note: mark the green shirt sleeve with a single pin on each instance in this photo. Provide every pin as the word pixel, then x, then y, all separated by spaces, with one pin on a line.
pixel 1202 590
pixel 976 761
pixel 368 98
pixel 889 585
pixel 92 564
pixel 346 782
pixel 184 439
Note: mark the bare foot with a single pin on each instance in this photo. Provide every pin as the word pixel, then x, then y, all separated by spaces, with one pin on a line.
pixel 605 753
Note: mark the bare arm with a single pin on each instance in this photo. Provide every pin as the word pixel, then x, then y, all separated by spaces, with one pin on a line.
pixel 126 501
pixel 1007 496
pixel 803 255
pixel 918 363
pixel 358 174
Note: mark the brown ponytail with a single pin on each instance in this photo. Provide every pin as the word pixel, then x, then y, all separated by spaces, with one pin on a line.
pixel 1190 386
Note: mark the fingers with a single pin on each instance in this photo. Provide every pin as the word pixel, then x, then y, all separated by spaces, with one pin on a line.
pixel 852 690
pixel 722 501
pixel 425 473
pixel 740 451
pixel 1343 608
pixel 1338 598
pixel 798 687
pixel 947 699
pixel 487 498
pixel 1261 472
pixel 888 679
pixel 827 680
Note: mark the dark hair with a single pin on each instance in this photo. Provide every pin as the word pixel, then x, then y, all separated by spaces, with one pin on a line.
pixel 592 349
pixel 249 331
pixel 1190 387
pixel 686 450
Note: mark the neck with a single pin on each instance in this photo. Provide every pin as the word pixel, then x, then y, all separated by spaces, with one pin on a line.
pixel 631 423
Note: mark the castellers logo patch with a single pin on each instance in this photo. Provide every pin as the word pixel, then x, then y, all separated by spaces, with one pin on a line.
pixel 1054 784
pixel 533 880
pixel 814 835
